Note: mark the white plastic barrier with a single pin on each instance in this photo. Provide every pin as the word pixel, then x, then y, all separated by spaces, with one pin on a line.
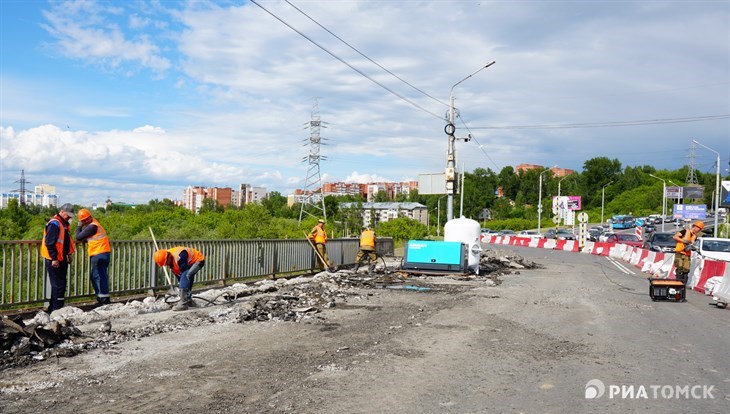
pixel 721 293
pixel 648 262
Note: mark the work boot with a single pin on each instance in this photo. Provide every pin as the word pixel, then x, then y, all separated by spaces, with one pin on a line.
pixel 371 269
pixel 183 303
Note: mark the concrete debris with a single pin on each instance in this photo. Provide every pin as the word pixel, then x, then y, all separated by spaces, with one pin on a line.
pixel 285 300
pixel 496 262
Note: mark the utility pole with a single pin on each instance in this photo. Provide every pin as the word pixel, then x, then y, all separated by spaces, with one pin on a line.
pixel 450 130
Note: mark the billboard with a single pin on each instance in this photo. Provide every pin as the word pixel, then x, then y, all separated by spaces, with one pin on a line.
pixel 693 192
pixel 432 183
pixel 690 211
pixel 724 194
pixel 569 203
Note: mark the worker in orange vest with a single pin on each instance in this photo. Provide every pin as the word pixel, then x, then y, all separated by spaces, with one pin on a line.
pixel 682 254
pixel 184 262
pixel 367 248
pixel 99 249
pixel 318 235
pixel 57 248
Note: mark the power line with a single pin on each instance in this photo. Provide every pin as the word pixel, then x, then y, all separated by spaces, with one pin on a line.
pixel 612 124
pixel 365 56
pixel 347 64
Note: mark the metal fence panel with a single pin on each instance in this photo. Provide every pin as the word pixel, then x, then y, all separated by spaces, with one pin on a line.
pixel 23 279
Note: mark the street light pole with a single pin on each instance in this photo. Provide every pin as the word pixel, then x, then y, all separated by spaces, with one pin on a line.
pixel 603 198
pixel 717 183
pixel 539 199
pixel 664 198
pixel 450 130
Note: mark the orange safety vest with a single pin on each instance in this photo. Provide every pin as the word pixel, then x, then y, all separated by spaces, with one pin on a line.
pixel 62 230
pixel 367 239
pixel 194 256
pixel 99 242
pixel 680 246
pixel 320 235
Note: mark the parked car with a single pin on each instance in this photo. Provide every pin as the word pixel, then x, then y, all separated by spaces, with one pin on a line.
pixel 562 234
pixel 625 238
pixel 529 233
pixel 506 232
pixel 660 242
pixel 715 248
pixel 593 234
pixel 603 236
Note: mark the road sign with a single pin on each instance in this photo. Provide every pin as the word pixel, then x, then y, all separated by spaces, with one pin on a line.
pixel 539 209
pixel 583 217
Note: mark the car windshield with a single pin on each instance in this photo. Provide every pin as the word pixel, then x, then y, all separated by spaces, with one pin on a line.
pixel 628 237
pixel 716 246
pixel 663 238
pixel 563 232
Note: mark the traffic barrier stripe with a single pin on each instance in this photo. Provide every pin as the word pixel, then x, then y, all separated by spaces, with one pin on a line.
pixel 657 264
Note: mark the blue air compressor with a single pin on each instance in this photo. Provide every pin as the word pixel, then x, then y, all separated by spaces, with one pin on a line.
pixel 439 256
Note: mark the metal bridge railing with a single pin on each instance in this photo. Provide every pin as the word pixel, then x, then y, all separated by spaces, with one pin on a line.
pixel 23 279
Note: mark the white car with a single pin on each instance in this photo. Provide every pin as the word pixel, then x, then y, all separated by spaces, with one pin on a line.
pixel 529 233
pixel 715 248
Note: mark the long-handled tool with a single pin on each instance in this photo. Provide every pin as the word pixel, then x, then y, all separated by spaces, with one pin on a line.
pixel 330 268
pixel 172 291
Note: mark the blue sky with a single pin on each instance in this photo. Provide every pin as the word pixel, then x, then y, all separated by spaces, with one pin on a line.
pixel 138 99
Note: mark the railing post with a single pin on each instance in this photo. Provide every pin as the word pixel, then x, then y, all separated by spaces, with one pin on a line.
pixel 153 275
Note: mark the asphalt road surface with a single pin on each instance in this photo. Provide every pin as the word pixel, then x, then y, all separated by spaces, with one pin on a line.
pixel 537 343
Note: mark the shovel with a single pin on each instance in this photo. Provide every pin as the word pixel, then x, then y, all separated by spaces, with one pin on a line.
pixel 330 268
pixel 172 291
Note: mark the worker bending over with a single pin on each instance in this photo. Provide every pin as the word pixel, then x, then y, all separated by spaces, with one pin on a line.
pixel 682 253
pixel 184 262
pixel 367 248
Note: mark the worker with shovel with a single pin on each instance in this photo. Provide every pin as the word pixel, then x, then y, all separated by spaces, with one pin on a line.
pixel 318 236
pixel 184 262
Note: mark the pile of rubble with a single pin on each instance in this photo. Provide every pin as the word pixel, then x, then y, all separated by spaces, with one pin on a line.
pixel 495 262
pixel 297 299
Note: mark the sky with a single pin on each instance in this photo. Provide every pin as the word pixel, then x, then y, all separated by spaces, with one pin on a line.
pixel 138 99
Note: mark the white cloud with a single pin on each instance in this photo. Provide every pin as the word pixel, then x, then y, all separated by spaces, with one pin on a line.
pixel 240 86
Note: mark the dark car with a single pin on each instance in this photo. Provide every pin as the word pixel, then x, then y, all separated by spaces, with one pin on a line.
pixel 660 242
pixel 562 234
pixel 593 234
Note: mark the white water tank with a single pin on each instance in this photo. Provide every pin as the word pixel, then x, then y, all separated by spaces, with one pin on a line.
pixel 469 232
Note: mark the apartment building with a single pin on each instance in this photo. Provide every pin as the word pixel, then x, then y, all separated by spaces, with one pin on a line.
pixel 374 213
pixel 557 172
pixel 43 195
pixel 224 196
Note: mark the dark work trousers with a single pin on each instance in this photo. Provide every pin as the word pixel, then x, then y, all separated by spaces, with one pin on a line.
pixel 100 276
pixel 57 276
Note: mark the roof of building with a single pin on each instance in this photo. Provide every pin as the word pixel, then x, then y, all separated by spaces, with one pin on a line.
pixel 386 205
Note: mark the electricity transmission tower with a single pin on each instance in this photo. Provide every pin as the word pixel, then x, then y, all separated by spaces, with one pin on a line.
pixel 691 173
pixel 313 199
pixel 22 189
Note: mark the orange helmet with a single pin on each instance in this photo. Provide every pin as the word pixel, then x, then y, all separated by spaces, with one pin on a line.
pixel 83 214
pixel 161 257
pixel 697 223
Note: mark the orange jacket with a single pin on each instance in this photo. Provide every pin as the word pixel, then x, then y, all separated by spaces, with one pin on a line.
pixel 318 234
pixel 99 242
pixel 194 256
pixel 367 240
pixel 62 234
pixel 687 235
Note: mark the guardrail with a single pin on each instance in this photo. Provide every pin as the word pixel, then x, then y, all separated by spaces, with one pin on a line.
pixel 23 279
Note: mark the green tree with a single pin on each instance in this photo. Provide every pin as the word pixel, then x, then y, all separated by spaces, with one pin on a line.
pixel 598 172
pixel 402 228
